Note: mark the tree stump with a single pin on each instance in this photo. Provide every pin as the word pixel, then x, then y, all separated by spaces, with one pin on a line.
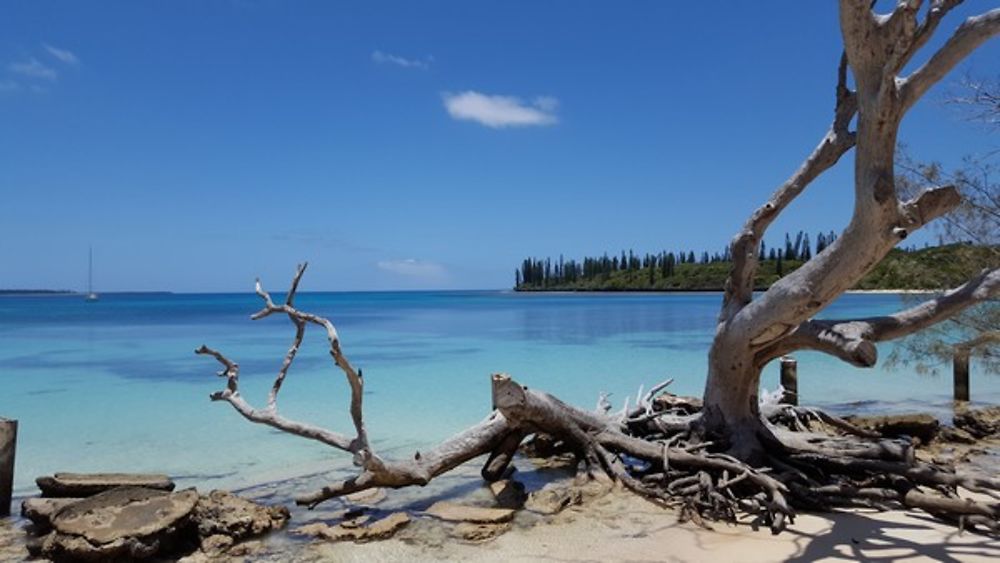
pixel 961 371
pixel 8 442
pixel 790 380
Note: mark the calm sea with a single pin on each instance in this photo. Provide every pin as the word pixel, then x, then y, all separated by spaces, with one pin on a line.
pixel 115 386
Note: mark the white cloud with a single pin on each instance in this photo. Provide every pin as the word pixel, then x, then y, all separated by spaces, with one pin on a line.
pixel 501 111
pixel 388 58
pixel 63 55
pixel 413 268
pixel 9 86
pixel 33 68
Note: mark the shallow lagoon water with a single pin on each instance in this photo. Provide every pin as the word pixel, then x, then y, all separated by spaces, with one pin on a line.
pixel 115 385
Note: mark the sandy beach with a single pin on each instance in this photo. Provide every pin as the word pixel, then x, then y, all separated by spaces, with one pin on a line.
pixel 622 527
pixel 615 526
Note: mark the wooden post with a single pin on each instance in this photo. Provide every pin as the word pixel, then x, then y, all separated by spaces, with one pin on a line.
pixel 790 380
pixel 961 371
pixel 8 440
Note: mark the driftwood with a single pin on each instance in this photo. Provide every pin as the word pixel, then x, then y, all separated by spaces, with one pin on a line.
pixel 722 457
pixel 652 449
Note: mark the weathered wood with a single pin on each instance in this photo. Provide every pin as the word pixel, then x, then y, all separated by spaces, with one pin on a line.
pixel 665 455
pixel 961 373
pixel 8 446
pixel 790 380
pixel 754 330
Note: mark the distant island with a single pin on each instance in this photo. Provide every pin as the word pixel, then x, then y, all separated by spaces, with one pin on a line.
pixel 37 292
pixel 903 269
pixel 27 292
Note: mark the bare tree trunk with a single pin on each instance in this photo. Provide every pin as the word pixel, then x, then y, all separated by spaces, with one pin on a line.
pixel 731 413
pixel 753 332
pixel 706 456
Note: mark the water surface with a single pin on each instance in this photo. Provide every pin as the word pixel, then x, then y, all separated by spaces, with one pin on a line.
pixel 115 386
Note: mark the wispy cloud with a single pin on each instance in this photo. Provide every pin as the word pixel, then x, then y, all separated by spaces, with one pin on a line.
pixel 413 268
pixel 62 55
pixel 9 86
pixel 381 57
pixel 33 68
pixel 501 111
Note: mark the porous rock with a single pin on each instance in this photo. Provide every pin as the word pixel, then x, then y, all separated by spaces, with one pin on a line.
pixel 553 499
pixel 122 523
pixel 223 513
pixel 453 512
pixel 479 532
pixel 80 485
pixel 41 510
pixel 377 530
pixel 979 422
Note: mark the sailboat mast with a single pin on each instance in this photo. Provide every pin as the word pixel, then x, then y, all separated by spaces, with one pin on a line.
pixel 90 271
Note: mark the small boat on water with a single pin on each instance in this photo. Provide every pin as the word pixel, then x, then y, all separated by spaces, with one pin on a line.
pixel 91 296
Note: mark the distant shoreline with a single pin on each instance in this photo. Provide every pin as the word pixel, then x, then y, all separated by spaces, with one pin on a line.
pixel 69 293
pixel 637 290
pixel 37 292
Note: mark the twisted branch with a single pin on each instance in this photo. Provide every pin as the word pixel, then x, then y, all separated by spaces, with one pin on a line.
pixel 971 34
pixel 853 340
pixel 744 247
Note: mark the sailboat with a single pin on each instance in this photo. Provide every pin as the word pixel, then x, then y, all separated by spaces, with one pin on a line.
pixel 91 296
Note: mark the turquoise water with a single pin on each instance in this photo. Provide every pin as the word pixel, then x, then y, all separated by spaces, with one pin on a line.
pixel 115 385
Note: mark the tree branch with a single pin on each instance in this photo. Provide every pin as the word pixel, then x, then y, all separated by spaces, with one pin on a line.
pixel 358 445
pixel 486 437
pixel 478 440
pixel 744 247
pixel 971 34
pixel 937 11
pixel 853 340
pixel 268 416
pixel 925 207
pixel 989 337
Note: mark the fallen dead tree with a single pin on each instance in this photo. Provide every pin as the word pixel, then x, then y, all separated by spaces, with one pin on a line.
pixel 655 449
pixel 721 457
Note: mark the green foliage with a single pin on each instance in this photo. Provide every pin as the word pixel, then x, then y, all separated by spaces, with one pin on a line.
pixel 928 268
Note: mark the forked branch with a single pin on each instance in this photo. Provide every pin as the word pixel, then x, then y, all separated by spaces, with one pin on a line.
pixel 971 34
pixel 853 340
pixel 744 247
pixel 478 440
pixel 358 445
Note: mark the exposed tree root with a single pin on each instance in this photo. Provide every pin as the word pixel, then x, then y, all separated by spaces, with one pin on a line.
pixel 657 449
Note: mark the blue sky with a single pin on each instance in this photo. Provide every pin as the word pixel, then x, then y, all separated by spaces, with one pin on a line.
pixel 401 145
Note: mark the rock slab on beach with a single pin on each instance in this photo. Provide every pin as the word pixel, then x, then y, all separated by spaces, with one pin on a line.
pixel 355 531
pixel 129 523
pixel 979 422
pixel 41 510
pixel 553 499
pixel 123 523
pixel 88 484
pixel 469 531
pixel 223 513
pixel 460 513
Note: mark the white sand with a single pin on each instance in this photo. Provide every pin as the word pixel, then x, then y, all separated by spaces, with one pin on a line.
pixel 622 527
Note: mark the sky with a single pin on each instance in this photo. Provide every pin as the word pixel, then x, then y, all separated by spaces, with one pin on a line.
pixel 198 144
